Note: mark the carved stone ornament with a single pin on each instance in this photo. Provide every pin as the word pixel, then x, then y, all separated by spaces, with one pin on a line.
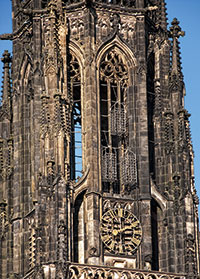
pixel 141 70
pixel 78 271
pixel 177 194
pixel 148 262
pixel 128 29
pixel 191 266
pixel 104 27
pixel 3 219
pixel 114 69
pixel 77 29
pixel 169 133
pixel 93 251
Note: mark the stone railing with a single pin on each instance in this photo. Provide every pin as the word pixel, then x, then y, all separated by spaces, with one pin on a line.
pixel 125 3
pixel 81 271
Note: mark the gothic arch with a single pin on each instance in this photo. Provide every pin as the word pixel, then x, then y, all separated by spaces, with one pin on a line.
pixel 26 61
pixel 115 93
pixel 25 78
pixel 75 89
pixel 79 190
pixel 77 52
pixel 120 47
pixel 81 185
pixel 158 231
pixel 79 228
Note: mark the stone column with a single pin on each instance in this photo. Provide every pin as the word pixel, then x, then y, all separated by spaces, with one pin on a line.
pixel 142 146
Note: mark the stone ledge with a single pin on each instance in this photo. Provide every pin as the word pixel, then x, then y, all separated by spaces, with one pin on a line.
pixel 81 271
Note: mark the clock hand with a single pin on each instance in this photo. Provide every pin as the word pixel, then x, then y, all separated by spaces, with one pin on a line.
pixel 116 231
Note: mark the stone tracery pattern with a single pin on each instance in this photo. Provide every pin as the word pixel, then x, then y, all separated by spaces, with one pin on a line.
pixel 81 271
pixel 74 69
pixel 113 69
pixel 77 29
pixel 112 204
pixel 169 133
pixel 3 219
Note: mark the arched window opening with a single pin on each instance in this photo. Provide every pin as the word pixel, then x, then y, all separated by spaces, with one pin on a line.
pixel 76 125
pixel 155 214
pixel 114 123
pixel 78 229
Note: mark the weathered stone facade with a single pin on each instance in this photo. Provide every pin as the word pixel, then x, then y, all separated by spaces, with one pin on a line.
pixel 92 119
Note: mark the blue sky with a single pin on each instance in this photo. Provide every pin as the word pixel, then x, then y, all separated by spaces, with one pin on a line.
pixel 187 12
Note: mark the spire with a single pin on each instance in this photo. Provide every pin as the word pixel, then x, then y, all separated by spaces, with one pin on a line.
pixel 6 87
pixel 175 33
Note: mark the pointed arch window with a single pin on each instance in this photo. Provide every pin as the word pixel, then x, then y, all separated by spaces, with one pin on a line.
pixel 115 153
pixel 76 124
pixel 79 228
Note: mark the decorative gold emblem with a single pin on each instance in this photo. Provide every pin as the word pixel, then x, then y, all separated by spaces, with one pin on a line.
pixel 120 231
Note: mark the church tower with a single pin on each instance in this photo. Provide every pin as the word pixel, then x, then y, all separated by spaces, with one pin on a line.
pixel 96 160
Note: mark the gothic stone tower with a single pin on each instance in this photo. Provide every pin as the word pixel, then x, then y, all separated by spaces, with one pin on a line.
pixel 96 161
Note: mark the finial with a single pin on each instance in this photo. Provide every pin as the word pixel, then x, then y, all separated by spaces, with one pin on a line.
pixel 175 29
pixel 6 57
pixel 176 69
pixel 6 87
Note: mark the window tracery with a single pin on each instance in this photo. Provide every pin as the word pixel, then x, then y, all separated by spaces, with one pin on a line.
pixel 113 69
pixel 118 162
pixel 74 69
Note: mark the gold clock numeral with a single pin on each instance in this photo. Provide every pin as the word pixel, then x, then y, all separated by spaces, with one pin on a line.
pixel 136 241
pixel 120 212
pixel 105 227
pixel 120 249
pixel 112 214
pixel 129 248
pixel 129 216
pixel 138 232
pixel 105 238
pixel 135 224
pixel 106 218
pixel 112 245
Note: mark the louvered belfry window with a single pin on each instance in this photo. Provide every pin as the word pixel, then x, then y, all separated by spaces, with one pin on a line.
pixel 118 165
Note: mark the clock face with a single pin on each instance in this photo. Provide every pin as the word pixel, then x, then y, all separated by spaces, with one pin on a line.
pixel 120 231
